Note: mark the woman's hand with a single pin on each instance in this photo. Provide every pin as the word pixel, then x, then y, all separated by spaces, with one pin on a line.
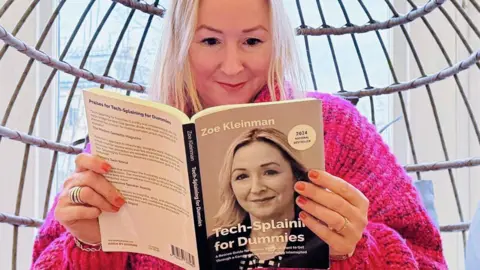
pixel 334 210
pixel 97 195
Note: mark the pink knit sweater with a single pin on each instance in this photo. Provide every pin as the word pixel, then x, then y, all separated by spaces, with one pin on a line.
pixel 399 235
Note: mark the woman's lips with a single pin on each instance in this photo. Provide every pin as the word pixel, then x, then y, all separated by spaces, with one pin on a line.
pixel 231 87
pixel 262 200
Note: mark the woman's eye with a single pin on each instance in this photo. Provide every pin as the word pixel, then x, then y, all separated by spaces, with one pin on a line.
pixel 241 177
pixel 271 172
pixel 210 41
pixel 253 41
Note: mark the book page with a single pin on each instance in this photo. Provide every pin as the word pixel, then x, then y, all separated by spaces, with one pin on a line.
pixel 250 158
pixel 145 147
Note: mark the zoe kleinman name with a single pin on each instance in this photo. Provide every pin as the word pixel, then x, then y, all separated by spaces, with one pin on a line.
pixel 236 125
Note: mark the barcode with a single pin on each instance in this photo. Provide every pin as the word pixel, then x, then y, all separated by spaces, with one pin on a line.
pixel 183 255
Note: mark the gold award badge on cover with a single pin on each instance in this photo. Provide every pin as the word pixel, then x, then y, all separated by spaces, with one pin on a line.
pixel 302 137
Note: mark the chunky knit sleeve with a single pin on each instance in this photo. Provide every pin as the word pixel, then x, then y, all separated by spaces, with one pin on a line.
pixel 147 262
pixel 400 234
pixel 54 248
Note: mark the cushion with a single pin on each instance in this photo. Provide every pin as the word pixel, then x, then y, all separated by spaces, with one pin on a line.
pixel 425 188
pixel 472 256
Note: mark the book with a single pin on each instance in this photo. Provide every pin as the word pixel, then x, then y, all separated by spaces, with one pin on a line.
pixel 211 191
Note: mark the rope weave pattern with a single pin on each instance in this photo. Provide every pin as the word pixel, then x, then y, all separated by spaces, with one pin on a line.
pixel 326 30
pixel 82 73
pixel 40 142
pixel 372 25
pixel 43 143
pixel 443 165
pixel 20 221
pixel 460 227
pixel 147 8
pixel 63 66
pixel 421 81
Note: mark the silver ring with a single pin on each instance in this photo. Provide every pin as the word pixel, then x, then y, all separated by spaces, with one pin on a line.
pixel 74 194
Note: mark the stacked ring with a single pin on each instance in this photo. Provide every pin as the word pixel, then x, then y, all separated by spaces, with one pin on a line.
pixel 74 193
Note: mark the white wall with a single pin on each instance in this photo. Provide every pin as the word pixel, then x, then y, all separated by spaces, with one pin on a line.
pixel 11 152
pixel 460 139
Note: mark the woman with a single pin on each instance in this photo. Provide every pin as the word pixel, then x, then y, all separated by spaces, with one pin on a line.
pixel 257 182
pixel 222 52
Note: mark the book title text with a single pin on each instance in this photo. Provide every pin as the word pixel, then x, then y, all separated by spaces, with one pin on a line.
pixel 231 125
pixel 128 111
pixel 263 227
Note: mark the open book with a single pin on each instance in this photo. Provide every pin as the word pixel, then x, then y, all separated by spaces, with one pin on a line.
pixel 214 191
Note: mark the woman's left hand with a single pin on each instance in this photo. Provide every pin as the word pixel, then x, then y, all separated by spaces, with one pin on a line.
pixel 334 210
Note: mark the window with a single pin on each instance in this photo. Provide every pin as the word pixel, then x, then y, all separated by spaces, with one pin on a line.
pixel 97 61
pixel 349 65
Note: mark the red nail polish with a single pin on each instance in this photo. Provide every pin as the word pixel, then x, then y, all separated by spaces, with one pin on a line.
pixel 313 174
pixel 116 209
pixel 303 215
pixel 119 201
pixel 300 186
pixel 106 167
pixel 302 200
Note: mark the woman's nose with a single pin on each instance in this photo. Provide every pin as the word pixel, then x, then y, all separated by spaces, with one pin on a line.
pixel 257 185
pixel 232 63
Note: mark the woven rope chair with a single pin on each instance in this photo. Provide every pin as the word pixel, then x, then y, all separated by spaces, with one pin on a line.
pixel 308 31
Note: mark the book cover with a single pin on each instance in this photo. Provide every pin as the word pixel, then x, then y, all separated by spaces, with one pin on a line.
pixel 250 159
pixel 214 191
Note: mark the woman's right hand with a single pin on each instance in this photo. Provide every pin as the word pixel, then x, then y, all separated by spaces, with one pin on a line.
pixel 98 195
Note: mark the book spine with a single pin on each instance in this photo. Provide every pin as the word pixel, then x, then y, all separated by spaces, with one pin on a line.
pixel 196 195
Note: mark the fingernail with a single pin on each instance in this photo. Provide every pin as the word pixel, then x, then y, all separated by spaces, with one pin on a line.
pixel 119 201
pixel 119 194
pixel 106 167
pixel 303 215
pixel 116 209
pixel 313 174
pixel 301 200
pixel 300 186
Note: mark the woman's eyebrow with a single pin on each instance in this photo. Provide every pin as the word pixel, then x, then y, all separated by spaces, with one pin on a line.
pixel 248 30
pixel 258 27
pixel 203 26
pixel 262 165
pixel 269 163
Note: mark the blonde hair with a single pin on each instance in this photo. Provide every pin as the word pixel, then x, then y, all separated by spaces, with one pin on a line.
pixel 230 212
pixel 172 81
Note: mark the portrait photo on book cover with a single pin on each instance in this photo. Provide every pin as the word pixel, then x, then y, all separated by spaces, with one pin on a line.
pixel 250 211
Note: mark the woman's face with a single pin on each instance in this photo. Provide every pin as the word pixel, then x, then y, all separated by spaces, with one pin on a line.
pixel 231 50
pixel 262 181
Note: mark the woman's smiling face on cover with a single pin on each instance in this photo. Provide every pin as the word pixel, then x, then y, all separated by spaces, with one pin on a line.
pixel 231 50
pixel 262 180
